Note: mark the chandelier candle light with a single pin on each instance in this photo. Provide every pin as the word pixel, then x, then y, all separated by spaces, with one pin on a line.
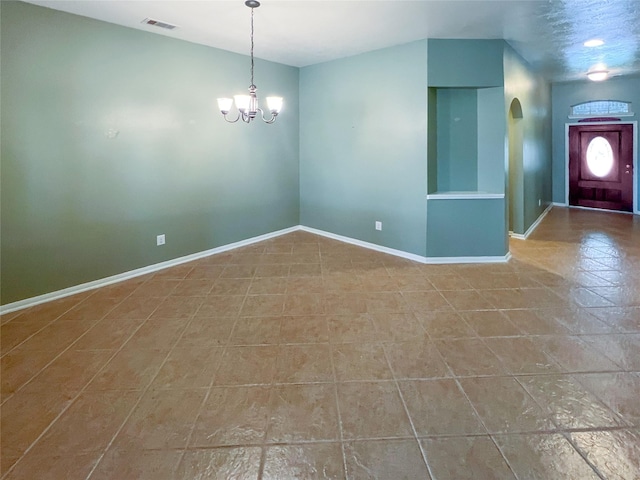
pixel 247 105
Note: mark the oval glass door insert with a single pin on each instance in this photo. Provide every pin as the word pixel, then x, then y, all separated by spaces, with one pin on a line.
pixel 599 157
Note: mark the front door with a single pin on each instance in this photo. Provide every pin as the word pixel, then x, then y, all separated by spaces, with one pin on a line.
pixel 601 166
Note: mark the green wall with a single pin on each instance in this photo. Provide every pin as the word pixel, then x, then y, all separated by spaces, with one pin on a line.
pixel 457 139
pixel 565 95
pixel 363 140
pixel 479 229
pixel 465 63
pixel 79 205
pixel 533 180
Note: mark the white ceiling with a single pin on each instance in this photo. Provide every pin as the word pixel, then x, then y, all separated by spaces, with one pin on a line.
pixel 549 34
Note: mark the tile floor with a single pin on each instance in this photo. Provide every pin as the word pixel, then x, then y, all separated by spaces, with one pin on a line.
pixel 302 357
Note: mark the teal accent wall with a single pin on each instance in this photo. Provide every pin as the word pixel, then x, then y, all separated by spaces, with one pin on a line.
pixel 465 63
pixel 363 146
pixel 564 95
pixel 533 182
pixel 111 136
pixel 491 133
pixel 466 228
pixel 457 139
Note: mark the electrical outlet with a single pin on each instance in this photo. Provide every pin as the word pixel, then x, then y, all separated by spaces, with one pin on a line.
pixel 160 240
pixel 378 225
pixel 539 202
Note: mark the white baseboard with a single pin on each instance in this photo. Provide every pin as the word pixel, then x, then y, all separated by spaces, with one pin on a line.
pixel 453 260
pixel 370 246
pixel 534 225
pixel 103 282
pixel 407 255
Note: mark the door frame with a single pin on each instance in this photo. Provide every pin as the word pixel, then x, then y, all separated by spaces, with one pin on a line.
pixel 636 207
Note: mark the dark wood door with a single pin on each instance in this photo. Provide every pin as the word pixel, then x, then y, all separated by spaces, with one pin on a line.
pixel 601 166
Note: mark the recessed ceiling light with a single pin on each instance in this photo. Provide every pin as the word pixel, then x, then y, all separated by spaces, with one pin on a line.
pixel 598 75
pixel 595 42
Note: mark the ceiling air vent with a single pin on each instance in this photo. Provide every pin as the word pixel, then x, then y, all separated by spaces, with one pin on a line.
pixel 158 23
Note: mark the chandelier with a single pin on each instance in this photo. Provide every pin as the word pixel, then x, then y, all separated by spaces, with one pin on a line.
pixel 247 105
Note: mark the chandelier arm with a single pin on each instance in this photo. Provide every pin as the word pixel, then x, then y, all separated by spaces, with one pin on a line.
pixel 271 120
pixel 231 121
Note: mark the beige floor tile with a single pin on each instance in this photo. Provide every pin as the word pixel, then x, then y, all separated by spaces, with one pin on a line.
pixel 185 368
pixel 504 406
pixel 462 458
pixel 445 324
pixel 304 304
pixel 463 300
pixel 220 464
pixel 417 359
pixel 174 307
pixel 543 457
pixel 70 372
pixel 304 329
pixel 108 334
pixel 618 391
pixel 232 286
pixel 397 327
pixel 302 413
pixel 439 407
pixel 134 307
pixel 615 454
pixel 256 331
pixel 162 419
pixel 192 287
pixel 344 304
pixel 74 466
pixel 156 287
pixel 25 416
pixel 356 328
pixel 88 425
pixel 129 369
pixel 247 365
pixel 206 331
pixel 308 461
pixel 15 332
pixel 264 286
pixel 360 361
pixel 158 333
pixel 372 410
pixel 21 365
pixel 304 364
pixel 135 463
pixel 232 416
pixel 490 323
pixel 426 301
pixel 624 350
pixel 520 355
pixel 220 306
pixel 575 355
pixel 536 322
pixel 384 459
pixel 571 406
pixel 58 335
pixel 469 357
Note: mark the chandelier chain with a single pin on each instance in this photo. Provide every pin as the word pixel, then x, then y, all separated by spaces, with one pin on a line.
pixel 252 84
